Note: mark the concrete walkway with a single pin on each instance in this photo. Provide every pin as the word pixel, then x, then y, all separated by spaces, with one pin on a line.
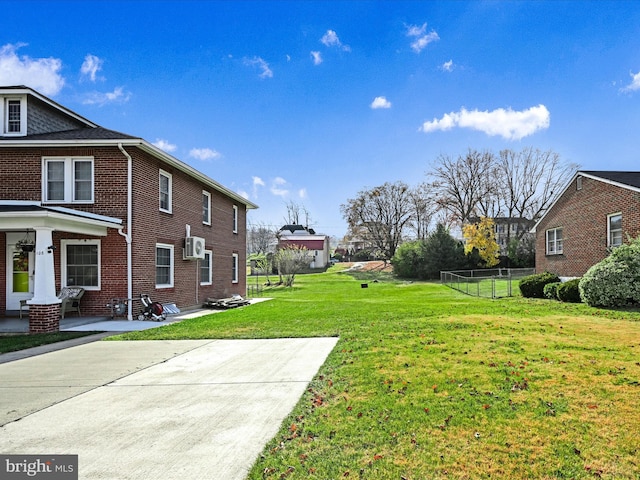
pixel 193 409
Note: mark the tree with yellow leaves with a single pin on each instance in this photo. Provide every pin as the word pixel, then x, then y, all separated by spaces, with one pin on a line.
pixel 482 237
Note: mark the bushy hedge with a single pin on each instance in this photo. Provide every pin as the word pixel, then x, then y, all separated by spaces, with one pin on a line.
pixel 615 281
pixel 550 290
pixel 569 291
pixel 424 259
pixel 533 285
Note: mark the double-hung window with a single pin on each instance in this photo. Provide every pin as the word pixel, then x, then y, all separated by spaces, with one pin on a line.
pixel 80 261
pixel 614 227
pixel 68 179
pixel 164 265
pixel 554 241
pixel 206 207
pixel 13 118
pixel 166 180
pixel 235 219
pixel 206 268
pixel 234 268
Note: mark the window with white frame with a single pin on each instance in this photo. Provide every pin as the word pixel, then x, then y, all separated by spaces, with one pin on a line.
pixel 614 226
pixel 554 241
pixel 80 260
pixel 68 179
pixel 164 265
pixel 206 207
pixel 166 180
pixel 14 117
pixel 234 268
pixel 235 219
pixel 206 268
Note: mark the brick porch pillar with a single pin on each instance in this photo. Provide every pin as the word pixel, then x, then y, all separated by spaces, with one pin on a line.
pixel 44 318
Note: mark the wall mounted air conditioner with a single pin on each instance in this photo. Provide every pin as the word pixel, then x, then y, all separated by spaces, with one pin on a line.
pixel 193 248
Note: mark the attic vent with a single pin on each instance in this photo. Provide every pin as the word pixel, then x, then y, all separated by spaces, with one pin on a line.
pixel 579 183
pixel 193 248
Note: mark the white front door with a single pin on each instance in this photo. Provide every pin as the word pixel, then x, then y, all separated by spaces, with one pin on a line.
pixel 19 272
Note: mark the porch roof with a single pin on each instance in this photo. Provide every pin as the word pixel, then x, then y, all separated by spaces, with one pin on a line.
pixel 30 215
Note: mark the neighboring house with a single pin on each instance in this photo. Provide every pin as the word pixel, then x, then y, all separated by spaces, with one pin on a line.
pixel 596 212
pixel 108 212
pixel 317 245
pixel 508 229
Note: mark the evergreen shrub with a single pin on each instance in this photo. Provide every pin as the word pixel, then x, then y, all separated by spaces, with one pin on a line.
pixel 533 285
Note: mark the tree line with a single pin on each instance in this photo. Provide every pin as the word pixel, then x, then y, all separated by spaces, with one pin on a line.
pixel 459 191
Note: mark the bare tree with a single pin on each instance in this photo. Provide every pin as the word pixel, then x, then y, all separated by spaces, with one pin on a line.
pixel 297 214
pixel 529 181
pixel 290 260
pixel 423 209
pixel 465 186
pixel 260 238
pixel 383 213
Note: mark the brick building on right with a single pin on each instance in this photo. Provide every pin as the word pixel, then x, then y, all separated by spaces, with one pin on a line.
pixel 597 211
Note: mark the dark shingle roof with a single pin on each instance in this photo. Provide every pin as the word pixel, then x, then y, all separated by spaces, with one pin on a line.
pixel 98 133
pixel 631 179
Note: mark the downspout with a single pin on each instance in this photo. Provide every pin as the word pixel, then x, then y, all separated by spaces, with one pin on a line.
pixel 127 236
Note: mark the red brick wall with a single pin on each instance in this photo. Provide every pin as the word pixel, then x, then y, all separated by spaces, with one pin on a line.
pixel 582 214
pixel 150 226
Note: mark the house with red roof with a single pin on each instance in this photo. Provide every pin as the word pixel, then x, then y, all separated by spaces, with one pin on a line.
pixel 317 245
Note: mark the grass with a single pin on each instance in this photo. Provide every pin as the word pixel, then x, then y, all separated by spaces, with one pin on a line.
pixel 428 383
pixel 13 343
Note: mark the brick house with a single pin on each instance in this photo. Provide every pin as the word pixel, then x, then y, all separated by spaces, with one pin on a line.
pixel 597 211
pixel 107 212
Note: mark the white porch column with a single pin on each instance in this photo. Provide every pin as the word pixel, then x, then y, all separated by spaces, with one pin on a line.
pixel 44 281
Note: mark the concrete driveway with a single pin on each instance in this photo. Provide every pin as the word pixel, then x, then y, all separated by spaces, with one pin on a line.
pixel 192 409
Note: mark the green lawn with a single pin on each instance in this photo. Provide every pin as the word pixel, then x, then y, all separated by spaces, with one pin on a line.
pixel 428 383
pixel 13 343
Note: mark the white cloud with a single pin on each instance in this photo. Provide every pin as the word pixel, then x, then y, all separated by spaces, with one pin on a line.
pixel 243 194
pixel 330 39
pixel 421 38
pixel 509 124
pixel 99 98
pixel 204 154
pixel 261 64
pixel 164 145
pixel 41 74
pixel 257 182
pixel 302 193
pixel 277 187
pixel 91 66
pixel 380 102
pixel 447 66
pixel 317 57
pixel 634 85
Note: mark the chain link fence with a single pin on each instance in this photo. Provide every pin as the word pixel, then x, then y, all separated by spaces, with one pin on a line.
pixel 488 283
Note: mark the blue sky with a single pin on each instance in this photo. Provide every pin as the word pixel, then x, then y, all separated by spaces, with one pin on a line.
pixel 312 102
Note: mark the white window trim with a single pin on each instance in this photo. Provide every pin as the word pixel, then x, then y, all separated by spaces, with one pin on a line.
pixel 236 259
pixel 207 221
pixel 555 241
pixel 609 243
pixel 163 173
pixel 235 219
pixel 69 180
pixel 4 116
pixel 171 266
pixel 63 262
pixel 210 280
